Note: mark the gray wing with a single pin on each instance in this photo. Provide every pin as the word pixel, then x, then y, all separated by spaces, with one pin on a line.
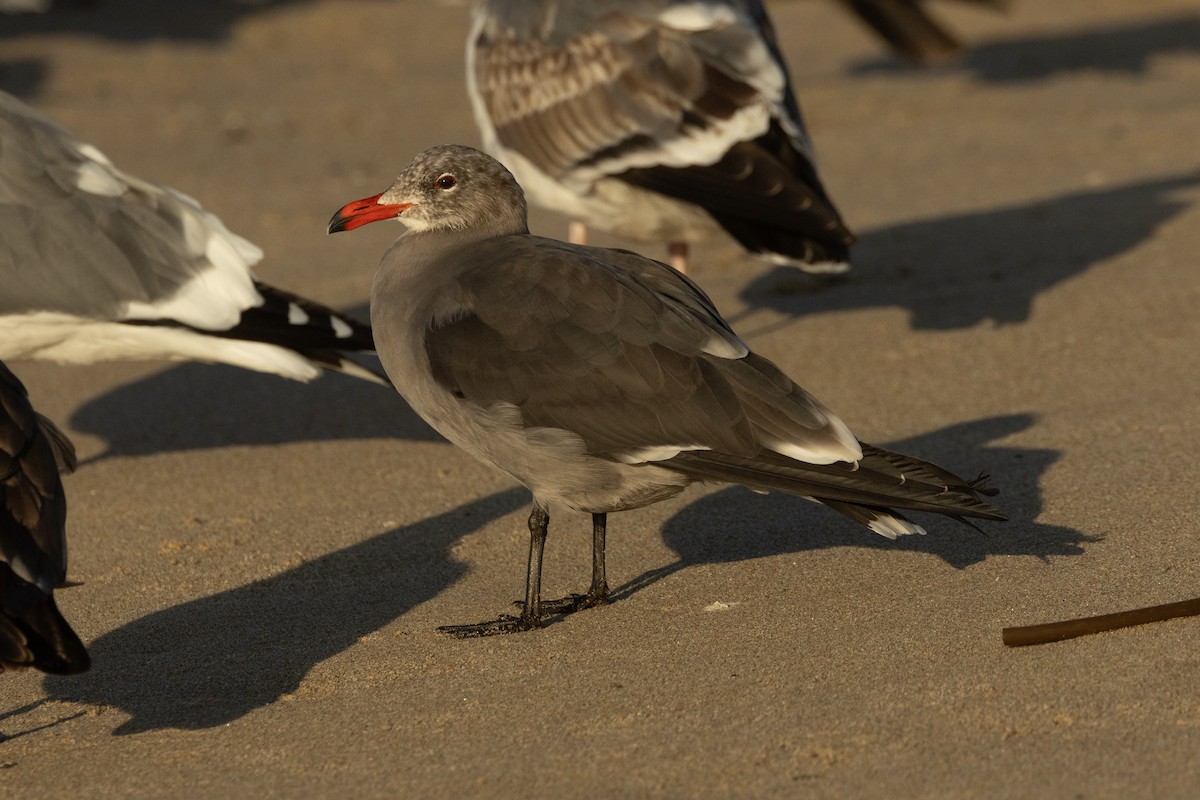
pixel 622 351
pixel 688 99
pixel 63 205
pixel 33 549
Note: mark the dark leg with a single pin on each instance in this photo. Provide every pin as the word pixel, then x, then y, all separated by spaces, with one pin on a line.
pixel 531 612
pixel 598 592
pixel 539 523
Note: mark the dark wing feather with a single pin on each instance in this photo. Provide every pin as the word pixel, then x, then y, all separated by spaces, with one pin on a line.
pixel 620 350
pixel 293 322
pixel 882 481
pixel 33 555
pixel 768 204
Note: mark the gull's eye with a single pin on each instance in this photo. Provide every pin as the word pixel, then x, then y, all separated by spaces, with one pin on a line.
pixel 446 182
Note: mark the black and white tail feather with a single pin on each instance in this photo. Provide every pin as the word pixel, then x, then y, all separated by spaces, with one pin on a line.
pixel 869 492
pixel 311 331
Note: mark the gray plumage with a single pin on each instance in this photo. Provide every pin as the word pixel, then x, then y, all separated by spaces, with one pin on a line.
pixel 601 380
pixel 33 545
pixel 96 264
pixel 656 119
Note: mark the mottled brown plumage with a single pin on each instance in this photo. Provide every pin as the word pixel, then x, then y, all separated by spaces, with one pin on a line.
pixel 655 119
pixel 33 546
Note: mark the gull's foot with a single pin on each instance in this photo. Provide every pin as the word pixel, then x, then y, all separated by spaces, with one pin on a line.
pixel 505 624
pixel 571 603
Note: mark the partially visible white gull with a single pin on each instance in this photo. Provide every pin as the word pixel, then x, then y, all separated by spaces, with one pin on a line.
pixel 33 544
pixel 660 120
pixel 96 264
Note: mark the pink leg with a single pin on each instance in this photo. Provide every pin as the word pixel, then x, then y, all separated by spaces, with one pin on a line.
pixel 677 256
pixel 577 232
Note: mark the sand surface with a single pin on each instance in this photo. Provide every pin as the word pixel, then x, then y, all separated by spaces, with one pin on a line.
pixel 264 563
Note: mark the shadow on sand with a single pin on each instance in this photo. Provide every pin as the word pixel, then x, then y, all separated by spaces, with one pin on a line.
pixel 1107 50
pixel 212 660
pixel 245 647
pixel 957 271
pixel 142 20
pixel 736 524
pixel 202 406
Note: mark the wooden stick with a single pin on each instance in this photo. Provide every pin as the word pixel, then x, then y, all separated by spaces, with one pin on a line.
pixel 1069 629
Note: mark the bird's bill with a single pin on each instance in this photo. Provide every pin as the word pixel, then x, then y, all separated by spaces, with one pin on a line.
pixel 360 212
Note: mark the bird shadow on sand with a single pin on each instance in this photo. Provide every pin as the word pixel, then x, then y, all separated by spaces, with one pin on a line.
pixel 202 406
pixel 958 271
pixel 22 77
pixel 142 20
pixel 1125 49
pixel 736 524
pixel 209 661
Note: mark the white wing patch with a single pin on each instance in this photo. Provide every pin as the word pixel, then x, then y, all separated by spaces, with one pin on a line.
pixel 297 315
pixel 813 268
pixel 660 452
pixel 697 16
pixel 215 296
pixel 91 153
pixel 340 329
pixel 66 338
pixel 212 300
pixel 722 347
pixel 891 527
pixel 95 179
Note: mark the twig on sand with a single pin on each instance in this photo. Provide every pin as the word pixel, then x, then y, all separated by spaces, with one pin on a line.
pixel 1069 629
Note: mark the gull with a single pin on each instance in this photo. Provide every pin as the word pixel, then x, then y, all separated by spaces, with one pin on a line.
pixel 33 545
pixel 601 380
pixel 659 120
pixel 97 265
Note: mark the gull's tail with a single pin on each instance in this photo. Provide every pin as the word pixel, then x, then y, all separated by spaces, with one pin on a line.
pixel 870 492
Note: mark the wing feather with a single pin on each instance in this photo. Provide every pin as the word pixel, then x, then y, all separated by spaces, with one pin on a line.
pixel 601 351
pixel 33 548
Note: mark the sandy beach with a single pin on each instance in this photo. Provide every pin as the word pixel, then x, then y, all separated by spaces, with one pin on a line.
pixel 264 563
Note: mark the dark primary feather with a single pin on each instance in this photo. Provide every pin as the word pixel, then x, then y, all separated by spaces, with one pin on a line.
pixel 315 338
pixel 270 322
pixel 882 481
pixel 764 194
pixel 33 633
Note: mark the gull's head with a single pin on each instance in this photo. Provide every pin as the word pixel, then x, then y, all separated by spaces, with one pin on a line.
pixel 448 187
